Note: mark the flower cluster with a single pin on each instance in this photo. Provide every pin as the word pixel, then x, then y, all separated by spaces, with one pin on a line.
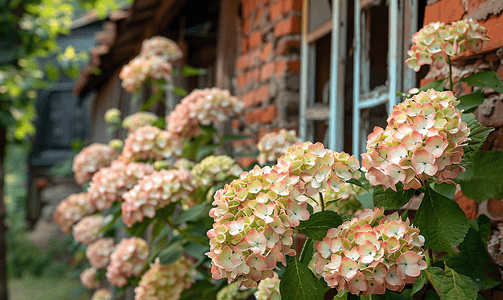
pixel 268 289
pixel 113 115
pixel 255 214
pixel 161 47
pixel 88 229
pixel 203 107
pixel 98 253
pixel 88 278
pixel 102 294
pixel 110 183
pixel 154 192
pixel 371 253
pixel 116 144
pixel 71 210
pixel 436 42
pixel 273 145
pixel 90 159
pixel 140 69
pixel 424 138
pixel 165 282
pixel 214 169
pixel 150 142
pixel 128 259
pixel 138 120
pixel 346 201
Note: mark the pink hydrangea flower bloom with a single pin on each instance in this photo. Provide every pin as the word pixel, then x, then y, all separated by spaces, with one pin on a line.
pixel 88 278
pixel 128 259
pixel 273 145
pixel 214 169
pixel 156 191
pixel 138 120
pixel 151 143
pixel 422 136
pixel 143 68
pixel 255 215
pixel 90 159
pixel 370 253
pixel 205 107
pixel 165 282
pixel 102 294
pixel 98 253
pixel 435 42
pixel 161 47
pixel 87 230
pixel 72 209
pixel 108 184
pixel 268 289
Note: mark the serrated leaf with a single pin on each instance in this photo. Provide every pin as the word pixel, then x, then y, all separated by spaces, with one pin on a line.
pixel 444 189
pixel 488 79
pixel 317 225
pixel 441 221
pixel 192 214
pixel 470 102
pixel 478 135
pixel 171 254
pixel 356 182
pixel 451 285
pixel 486 176
pixel 299 283
pixel 307 252
pixel 390 199
pixel 436 85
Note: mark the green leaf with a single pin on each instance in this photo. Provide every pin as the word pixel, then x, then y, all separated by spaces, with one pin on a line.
pixel 444 189
pixel 307 252
pixel 366 199
pixel 431 295
pixel 136 96
pixel 299 283
pixel 317 225
pixel 139 228
pixel 205 150
pixel 117 212
pixel 235 137
pixel 441 221
pixel 485 178
pixel 470 102
pixel 192 214
pixel 390 199
pixel 196 250
pixel 488 79
pixel 356 182
pixel 160 123
pixel 478 135
pixel 179 91
pixel 52 71
pixel 171 254
pixel 6 119
pixel 152 100
pixel 191 71
pixel 451 285
pixel 436 85
pixel 341 295
pixel 157 229
pixel 248 154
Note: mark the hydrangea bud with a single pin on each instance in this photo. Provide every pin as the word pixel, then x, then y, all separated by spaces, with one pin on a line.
pixel 88 278
pixel 151 143
pixel 98 253
pixel 113 115
pixel 138 120
pixel 71 210
pixel 268 289
pixel 162 47
pixel 184 163
pixel 370 253
pixel 165 282
pixel 128 259
pixel 273 145
pixel 88 229
pixel 436 42
pixel 116 144
pixel 110 183
pixel 90 159
pixel 214 169
pixel 154 192
pixel 205 107
pixel 102 294
pixel 424 139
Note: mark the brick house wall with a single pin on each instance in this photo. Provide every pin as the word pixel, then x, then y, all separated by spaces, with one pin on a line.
pixel 267 70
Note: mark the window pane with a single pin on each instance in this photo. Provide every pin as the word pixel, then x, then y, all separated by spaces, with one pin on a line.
pixel 319 12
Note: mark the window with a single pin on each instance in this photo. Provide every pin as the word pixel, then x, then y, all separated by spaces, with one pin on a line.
pixel 369 39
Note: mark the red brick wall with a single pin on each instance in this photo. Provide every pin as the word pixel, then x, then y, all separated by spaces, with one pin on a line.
pixel 267 70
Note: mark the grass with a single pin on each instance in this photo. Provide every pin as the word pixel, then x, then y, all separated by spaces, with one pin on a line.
pixel 46 288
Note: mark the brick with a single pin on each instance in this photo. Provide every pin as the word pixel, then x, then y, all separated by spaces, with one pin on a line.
pixel 235 123
pixel 255 58
pixel 432 13
pixel 247 7
pixel 292 5
pixel 461 89
pixel 262 131
pixel 267 71
pixel 255 39
pixel 246 26
pixel 426 81
pixel 244 45
pixel 253 116
pixel 275 10
pixel 451 10
pixel 266 52
pixel 241 80
pixel 292 25
pixel 494 26
pixel 269 114
pixel 245 162
pixel 242 63
pixel 284 66
pixel 249 99
pixel 469 206
pixel 278 28
pixel 262 93
pixel 253 76
pixel 285 47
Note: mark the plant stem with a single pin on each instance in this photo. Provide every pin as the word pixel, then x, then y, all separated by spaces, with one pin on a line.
pixel 322 202
pixel 450 73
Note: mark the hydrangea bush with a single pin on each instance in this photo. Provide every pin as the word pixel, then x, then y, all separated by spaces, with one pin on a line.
pixel 197 225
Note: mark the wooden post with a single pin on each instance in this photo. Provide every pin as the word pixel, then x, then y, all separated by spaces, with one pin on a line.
pixel 4 294
pixel 226 43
